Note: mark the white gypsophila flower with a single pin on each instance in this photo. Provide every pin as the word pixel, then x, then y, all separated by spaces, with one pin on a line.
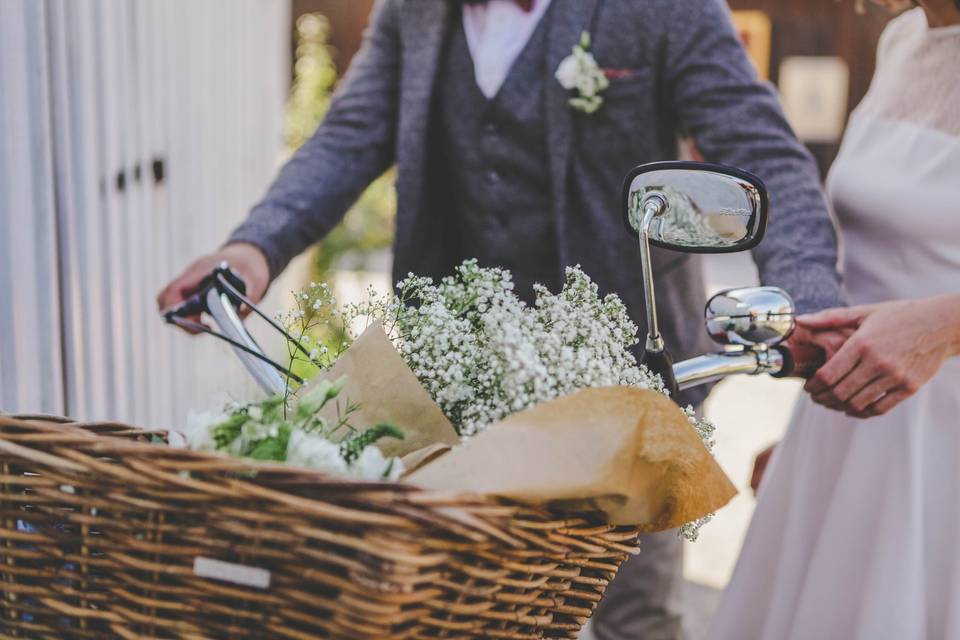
pixel 704 429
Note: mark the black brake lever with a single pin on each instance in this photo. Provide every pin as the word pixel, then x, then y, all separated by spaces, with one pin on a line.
pixel 224 281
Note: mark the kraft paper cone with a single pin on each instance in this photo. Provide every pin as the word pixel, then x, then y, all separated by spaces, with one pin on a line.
pixel 628 453
pixel 387 391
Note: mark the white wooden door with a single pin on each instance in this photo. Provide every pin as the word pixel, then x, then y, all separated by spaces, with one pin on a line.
pixel 134 134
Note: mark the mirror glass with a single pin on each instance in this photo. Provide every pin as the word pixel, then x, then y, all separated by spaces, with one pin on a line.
pixel 705 210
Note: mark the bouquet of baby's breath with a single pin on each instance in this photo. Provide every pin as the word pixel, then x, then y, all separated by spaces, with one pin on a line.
pixel 483 354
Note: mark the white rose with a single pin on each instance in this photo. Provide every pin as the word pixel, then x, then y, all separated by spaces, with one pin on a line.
pixel 315 452
pixel 568 72
pixel 198 431
pixel 371 465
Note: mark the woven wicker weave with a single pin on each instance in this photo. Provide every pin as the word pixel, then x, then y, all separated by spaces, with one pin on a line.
pixel 102 526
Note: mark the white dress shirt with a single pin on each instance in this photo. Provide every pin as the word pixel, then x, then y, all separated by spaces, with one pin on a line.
pixel 496 34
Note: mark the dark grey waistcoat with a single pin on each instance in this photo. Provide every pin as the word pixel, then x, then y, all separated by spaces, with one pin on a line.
pixel 494 164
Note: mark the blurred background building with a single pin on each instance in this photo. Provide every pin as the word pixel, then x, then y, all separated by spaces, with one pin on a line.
pixel 135 133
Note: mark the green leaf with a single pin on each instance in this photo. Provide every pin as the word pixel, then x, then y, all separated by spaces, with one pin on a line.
pixel 272 409
pixel 352 447
pixel 228 430
pixel 269 449
pixel 272 448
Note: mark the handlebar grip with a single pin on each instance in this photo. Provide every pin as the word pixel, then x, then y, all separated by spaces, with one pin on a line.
pixel 800 363
pixel 788 363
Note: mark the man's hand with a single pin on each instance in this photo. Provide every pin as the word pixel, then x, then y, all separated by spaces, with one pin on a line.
pixel 811 349
pixel 895 348
pixel 246 260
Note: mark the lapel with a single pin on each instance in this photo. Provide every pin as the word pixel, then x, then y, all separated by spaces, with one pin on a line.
pixel 423 26
pixel 568 19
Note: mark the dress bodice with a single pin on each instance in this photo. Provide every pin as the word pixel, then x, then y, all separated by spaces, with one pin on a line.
pixel 895 186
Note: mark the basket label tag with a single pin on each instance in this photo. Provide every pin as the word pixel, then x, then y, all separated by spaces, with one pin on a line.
pixel 231 572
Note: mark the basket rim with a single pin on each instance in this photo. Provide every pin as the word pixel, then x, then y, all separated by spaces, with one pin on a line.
pixel 458 509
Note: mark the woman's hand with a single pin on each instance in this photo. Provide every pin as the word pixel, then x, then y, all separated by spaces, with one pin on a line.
pixel 894 349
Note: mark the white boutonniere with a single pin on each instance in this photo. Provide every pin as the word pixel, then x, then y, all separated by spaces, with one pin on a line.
pixel 579 72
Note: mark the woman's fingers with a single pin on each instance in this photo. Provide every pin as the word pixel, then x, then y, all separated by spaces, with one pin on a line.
pixel 853 383
pixel 886 403
pixel 832 340
pixel 833 318
pixel 868 395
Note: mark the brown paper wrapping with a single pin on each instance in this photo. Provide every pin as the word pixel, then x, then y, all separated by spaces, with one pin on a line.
pixel 385 388
pixel 629 453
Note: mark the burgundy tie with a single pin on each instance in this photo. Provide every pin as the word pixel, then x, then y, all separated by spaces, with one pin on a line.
pixel 526 5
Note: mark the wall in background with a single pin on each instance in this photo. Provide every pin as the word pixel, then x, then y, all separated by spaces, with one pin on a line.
pixel 823 28
pixel 133 136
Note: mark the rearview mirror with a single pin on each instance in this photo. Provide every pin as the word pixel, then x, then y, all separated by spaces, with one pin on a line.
pixel 750 316
pixel 696 207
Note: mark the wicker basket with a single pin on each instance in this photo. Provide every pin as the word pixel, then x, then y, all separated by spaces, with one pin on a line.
pixel 108 533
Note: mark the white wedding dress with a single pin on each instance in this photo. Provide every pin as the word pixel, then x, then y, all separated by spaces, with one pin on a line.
pixel 857 532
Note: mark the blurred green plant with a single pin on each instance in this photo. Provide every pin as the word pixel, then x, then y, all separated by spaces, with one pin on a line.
pixel 368 227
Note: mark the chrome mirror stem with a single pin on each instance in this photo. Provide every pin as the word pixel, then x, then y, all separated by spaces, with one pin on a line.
pixel 653 206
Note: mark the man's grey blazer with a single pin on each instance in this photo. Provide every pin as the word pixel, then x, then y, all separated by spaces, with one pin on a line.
pixel 680 68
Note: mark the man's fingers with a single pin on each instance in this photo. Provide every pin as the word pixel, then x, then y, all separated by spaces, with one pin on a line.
pixel 198 320
pixel 167 298
pixel 178 290
pixel 835 370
